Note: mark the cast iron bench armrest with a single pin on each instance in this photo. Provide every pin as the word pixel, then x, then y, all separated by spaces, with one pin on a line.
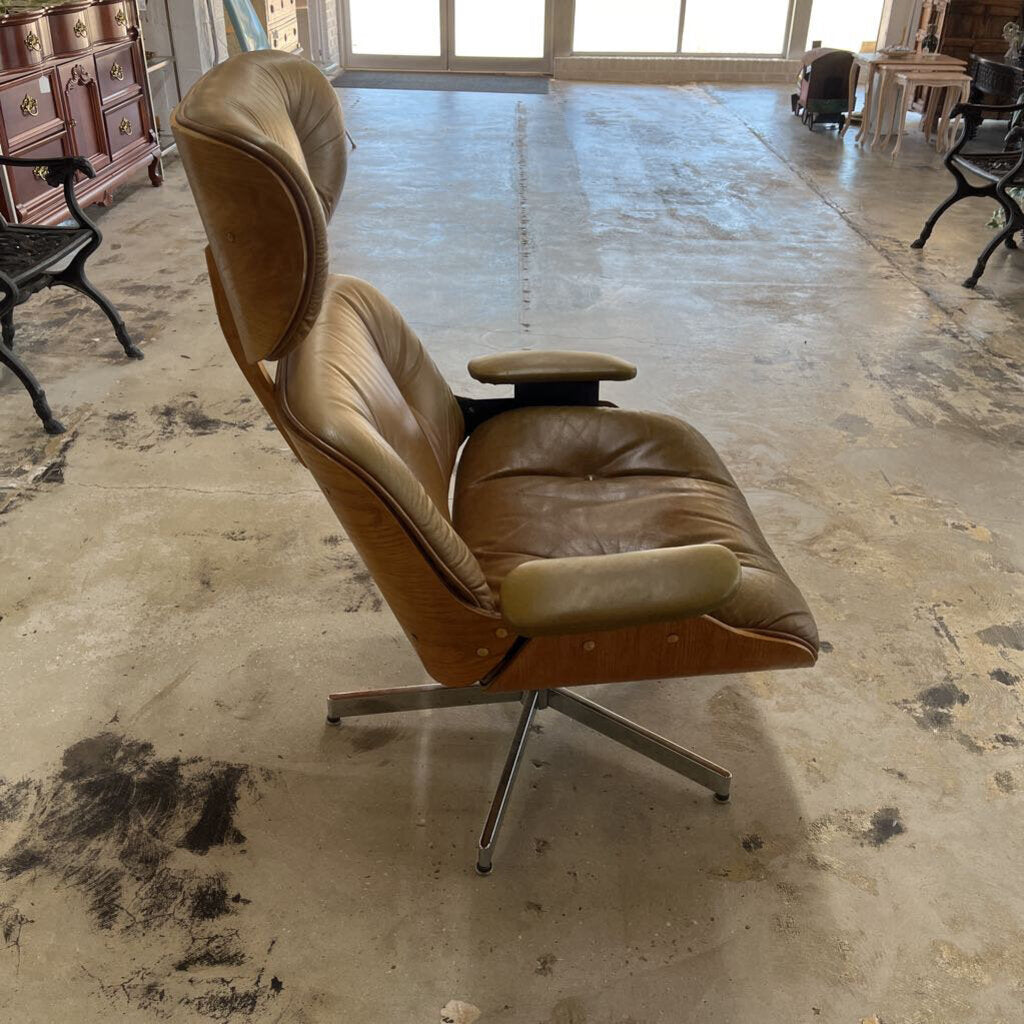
pixel 64 164
pixel 980 108
pixel 62 170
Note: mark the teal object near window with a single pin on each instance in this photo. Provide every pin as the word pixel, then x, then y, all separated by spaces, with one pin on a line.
pixel 249 31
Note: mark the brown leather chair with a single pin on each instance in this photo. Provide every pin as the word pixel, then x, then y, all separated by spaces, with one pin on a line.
pixel 585 543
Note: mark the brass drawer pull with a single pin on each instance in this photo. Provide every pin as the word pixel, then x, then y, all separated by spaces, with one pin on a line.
pixel 121 18
pixel 40 172
pixel 29 106
pixel 81 29
pixel 125 127
pixel 33 42
pixel 117 72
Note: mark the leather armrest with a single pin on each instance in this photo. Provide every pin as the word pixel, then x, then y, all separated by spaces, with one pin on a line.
pixel 551 596
pixel 529 367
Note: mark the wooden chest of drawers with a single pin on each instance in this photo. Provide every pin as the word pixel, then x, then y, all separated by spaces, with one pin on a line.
pixel 73 82
pixel 280 21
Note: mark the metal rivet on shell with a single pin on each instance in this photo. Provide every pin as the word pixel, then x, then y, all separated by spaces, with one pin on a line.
pixel 482 652
pixel 588 645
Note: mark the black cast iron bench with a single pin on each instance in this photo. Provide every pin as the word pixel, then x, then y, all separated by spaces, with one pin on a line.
pixel 997 171
pixel 27 254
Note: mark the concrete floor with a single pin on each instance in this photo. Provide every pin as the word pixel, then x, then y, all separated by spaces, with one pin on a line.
pixel 181 837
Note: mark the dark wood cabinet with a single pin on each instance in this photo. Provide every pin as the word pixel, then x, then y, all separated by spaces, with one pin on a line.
pixel 73 82
pixel 976 27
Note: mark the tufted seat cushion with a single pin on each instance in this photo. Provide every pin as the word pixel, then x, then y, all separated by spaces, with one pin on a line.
pixel 554 482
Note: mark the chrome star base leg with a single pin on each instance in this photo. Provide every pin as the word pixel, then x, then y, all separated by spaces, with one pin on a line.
pixel 420 698
pixel 409 698
pixel 492 826
pixel 682 761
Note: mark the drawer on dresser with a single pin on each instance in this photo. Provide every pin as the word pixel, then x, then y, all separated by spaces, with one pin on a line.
pixel 284 34
pixel 23 41
pixel 29 107
pixel 115 72
pixel 126 126
pixel 69 29
pixel 28 185
pixel 277 9
pixel 110 21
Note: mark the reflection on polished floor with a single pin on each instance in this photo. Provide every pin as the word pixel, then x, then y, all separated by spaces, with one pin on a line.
pixel 176 599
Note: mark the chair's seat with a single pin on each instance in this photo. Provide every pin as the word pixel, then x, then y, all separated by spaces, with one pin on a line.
pixel 28 249
pixel 991 166
pixel 554 482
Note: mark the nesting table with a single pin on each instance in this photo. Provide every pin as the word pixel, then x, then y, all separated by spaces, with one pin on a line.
pixel 881 72
pixel 944 86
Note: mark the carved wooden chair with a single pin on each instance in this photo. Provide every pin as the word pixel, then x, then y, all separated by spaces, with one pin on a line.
pixel 585 544
pixel 28 254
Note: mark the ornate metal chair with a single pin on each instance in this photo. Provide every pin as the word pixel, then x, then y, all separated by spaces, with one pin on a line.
pixel 28 252
pixel 585 544
pixel 997 171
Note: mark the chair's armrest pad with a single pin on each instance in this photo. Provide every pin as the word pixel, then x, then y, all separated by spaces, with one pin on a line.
pixel 528 367
pixel 577 595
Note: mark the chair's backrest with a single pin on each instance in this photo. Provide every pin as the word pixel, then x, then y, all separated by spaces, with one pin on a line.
pixel 262 140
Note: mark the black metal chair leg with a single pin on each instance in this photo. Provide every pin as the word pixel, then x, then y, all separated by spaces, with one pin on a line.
pixel 1014 222
pixel 1014 215
pixel 7 322
pixel 50 423
pixel 74 277
pixel 963 190
pixel 979 267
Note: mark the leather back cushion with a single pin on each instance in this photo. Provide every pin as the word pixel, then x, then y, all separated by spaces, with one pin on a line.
pixel 362 383
pixel 262 139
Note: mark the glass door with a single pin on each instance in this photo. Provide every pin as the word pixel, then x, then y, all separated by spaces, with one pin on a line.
pixel 499 35
pixel 439 35
pixel 405 34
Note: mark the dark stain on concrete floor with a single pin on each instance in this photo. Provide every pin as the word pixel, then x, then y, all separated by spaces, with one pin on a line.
pixel 935 706
pixel 1001 675
pixel 1011 635
pixel 188 416
pixel 885 825
pixel 128 831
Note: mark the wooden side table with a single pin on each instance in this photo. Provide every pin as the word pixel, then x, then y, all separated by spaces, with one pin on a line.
pixel 878 69
pixel 949 86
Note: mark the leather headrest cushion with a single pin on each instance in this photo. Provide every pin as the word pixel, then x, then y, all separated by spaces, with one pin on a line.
pixel 262 138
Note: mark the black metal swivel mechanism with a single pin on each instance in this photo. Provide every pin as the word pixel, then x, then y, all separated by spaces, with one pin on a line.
pixel 27 254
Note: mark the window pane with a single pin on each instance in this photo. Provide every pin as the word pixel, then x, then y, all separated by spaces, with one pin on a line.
pixel 741 26
pixel 843 25
pixel 407 27
pixel 640 26
pixel 512 28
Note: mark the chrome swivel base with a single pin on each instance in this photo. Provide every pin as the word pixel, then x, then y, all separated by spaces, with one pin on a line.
pixel 586 712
